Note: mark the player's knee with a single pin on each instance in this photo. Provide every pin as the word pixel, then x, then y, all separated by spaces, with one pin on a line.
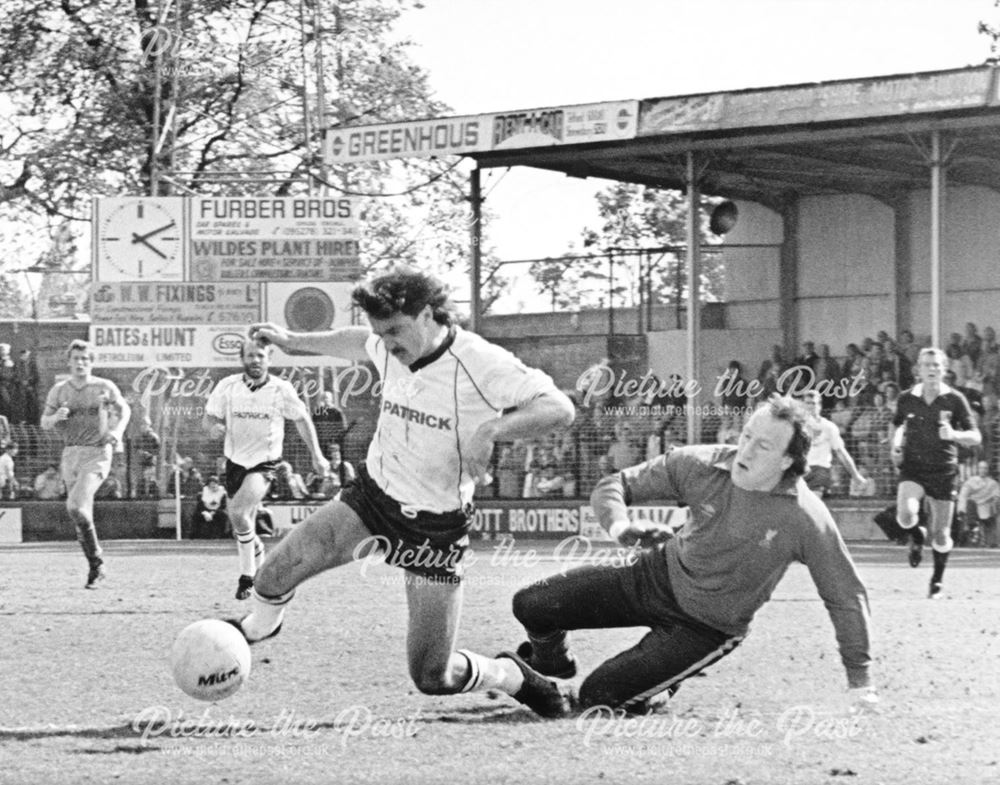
pixel 598 692
pixel 433 680
pixel 76 510
pixel 528 604
pixel 907 516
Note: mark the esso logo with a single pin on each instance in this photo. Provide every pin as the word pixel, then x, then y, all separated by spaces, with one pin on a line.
pixel 228 344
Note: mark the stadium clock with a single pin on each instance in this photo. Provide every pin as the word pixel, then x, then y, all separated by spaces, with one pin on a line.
pixel 140 239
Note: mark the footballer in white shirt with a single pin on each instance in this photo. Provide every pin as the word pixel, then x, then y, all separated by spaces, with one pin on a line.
pixel 446 396
pixel 249 409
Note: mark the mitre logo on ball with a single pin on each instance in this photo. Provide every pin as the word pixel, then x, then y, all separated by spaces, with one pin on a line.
pixel 210 660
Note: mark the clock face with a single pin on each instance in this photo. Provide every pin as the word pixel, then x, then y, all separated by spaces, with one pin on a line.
pixel 140 239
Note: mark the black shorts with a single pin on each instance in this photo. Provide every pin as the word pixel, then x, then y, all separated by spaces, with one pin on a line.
pixel 427 544
pixel 819 478
pixel 235 474
pixel 936 484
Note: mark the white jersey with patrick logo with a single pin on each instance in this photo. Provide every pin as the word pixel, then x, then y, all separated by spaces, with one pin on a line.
pixel 254 417
pixel 430 410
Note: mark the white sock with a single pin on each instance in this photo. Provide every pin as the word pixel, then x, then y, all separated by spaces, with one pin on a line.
pixel 486 673
pixel 266 613
pixel 245 548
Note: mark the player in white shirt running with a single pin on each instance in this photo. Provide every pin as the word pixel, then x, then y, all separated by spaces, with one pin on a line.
pixel 250 409
pixel 444 394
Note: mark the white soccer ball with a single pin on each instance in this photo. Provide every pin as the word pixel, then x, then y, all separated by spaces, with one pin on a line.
pixel 210 660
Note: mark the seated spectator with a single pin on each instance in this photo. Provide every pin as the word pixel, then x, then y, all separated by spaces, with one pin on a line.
pixel 539 460
pixel 210 517
pixel 984 492
pixel 8 479
pixel 508 471
pixel 149 485
pixel 49 484
pixel 624 450
pixel 341 471
pixel 288 484
pixel 264 522
pixel 729 431
pixel 110 489
pixel 549 483
pixel 191 482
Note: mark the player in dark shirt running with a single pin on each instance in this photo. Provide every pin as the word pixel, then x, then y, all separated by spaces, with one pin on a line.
pixel 931 421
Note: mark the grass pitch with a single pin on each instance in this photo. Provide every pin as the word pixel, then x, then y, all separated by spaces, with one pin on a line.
pixel 87 695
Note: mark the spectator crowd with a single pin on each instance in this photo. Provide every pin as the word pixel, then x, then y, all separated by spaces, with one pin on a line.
pixel 858 390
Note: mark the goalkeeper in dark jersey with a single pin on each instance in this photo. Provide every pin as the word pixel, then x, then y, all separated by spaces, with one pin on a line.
pixel 751 515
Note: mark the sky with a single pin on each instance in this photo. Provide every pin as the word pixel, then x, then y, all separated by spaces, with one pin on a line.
pixel 493 55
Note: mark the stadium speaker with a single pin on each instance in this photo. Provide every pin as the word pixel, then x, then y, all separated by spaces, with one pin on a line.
pixel 307 307
pixel 309 310
pixel 723 218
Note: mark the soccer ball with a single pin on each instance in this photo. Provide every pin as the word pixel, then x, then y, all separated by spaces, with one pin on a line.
pixel 210 660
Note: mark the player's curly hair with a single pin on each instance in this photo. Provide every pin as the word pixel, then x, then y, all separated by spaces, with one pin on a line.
pixel 784 407
pixel 80 345
pixel 407 291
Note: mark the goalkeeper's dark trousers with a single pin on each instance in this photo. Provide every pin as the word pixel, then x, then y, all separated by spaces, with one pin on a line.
pixel 676 647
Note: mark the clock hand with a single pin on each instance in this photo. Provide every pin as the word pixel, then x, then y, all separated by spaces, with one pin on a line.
pixel 137 239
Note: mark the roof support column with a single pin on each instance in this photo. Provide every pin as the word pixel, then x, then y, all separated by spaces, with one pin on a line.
pixel 476 242
pixel 937 210
pixel 694 301
pixel 788 276
pixel 902 212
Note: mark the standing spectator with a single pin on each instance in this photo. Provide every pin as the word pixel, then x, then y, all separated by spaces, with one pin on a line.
pixel 140 440
pixel 828 375
pixel 826 442
pixel 890 390
pixel 328 421
pixel 931 422
pixel 775 361
pixel 902 367
pixel 81 408
pixel 595 434
pixel 881 430
pixel 49 485
pixel 988 367
pixel 990 429
pixel 27 383
pixel 880 365
pixel 808 358
pixel 210 518
pixel 852 361
pixel 984 492
pixel 735 389
pixel 972 343
pixel 8 385
pixel 968 456
pixel 8 478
